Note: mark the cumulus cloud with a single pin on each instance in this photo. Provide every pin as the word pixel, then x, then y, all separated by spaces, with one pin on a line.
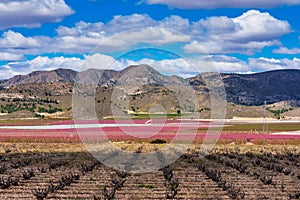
pixel 121 33
pixel 179 67
pixel 183 67
pixel 118 24
pixel 284 50
pixel 197 48
pixel 135 21
pixel 219 63
pixel 119 42
pixel 10 56
pixel 82 28
pixel 11 39
pixel 16 43
pixel 153 35
pixel 45 63
pixel 188 67
pixel 39 63
pixel 258 26
pixel 32 13
pixel 176 23
pixel 248 33
pixel 245 34
pixel 204 4
pixel 74 44
pixel 266 64
pixel 98 61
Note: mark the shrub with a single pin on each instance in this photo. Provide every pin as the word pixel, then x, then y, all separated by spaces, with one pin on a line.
pixel 158 141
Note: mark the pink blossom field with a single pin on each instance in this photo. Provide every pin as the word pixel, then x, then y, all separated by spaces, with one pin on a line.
pixel 124 130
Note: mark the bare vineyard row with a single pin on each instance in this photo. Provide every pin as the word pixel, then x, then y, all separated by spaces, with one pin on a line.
pixel 223 174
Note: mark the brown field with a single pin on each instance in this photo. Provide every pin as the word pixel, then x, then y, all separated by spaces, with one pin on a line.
pixel 67 171
pixel 237 168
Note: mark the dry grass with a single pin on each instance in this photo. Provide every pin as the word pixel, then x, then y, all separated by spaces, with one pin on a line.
pixel 40 147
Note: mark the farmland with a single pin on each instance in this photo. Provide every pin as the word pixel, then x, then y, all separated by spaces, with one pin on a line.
pixel 149 99
pixel 229 172
pixel 54 164
pixel 138 131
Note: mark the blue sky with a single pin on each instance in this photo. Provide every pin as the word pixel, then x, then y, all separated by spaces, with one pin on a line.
pixel 182 37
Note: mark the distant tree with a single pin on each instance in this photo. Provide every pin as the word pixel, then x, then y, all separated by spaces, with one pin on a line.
pixel 132 108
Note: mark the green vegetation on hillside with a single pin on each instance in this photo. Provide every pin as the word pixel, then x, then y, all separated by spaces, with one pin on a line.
pixel 279 112
pixel 14 107
pixel 41 105
pixel 49 110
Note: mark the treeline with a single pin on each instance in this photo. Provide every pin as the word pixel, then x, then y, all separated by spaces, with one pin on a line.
pixel 14 107
pixel 277 113
pixel 49 110
pixel 46 100
pixel 10 108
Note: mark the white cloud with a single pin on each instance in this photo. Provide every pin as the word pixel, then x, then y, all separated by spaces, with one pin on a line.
pixel 82 28
pixel 121 33
pixel 39 63
pixel 123 23
pixel 197 48
pixel 284 50
pixel 176 23
pixel 16 43
pixel 204 4
pixel 32 13
pixel 217 25
pixel 180 67
pixel 10 56
pixel 74 44
pixel 226 47
pixel 118 24
pixel 124 41
pixel 98 61
pixel 259 26
pixel 183 67
pixel 45 63
pixel 266 64
pixel 153 35
pixel 220 63
pixel 11 39
pixel 246 34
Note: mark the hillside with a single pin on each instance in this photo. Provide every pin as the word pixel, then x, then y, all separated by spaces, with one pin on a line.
pixel 58 75
pixel 146 75
pixel 143 87
pixel 254 89
pixel 141 74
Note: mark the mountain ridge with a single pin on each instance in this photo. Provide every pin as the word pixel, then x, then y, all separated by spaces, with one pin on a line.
pixel 245 89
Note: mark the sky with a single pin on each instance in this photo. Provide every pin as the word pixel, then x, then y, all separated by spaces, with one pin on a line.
pixel 173 36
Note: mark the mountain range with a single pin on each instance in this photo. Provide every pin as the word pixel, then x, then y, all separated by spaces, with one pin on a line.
pixel 254 89
pixel 244 89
